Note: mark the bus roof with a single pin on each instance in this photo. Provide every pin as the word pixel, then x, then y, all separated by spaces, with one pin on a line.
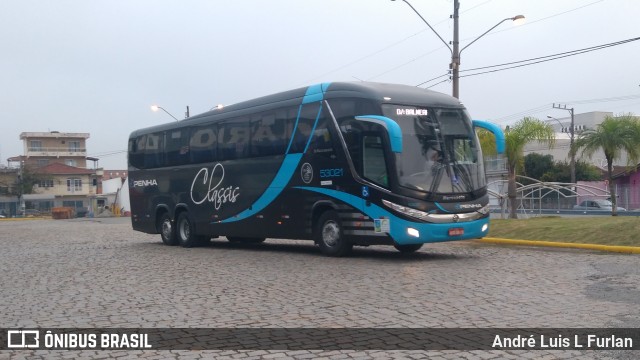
pixel 369 90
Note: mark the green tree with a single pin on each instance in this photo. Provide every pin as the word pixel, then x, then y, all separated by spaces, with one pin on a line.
pixel 26 181
pixel 516 137
pixel 536 165
pixel 584 172
pixel 613 136
pixel 487 141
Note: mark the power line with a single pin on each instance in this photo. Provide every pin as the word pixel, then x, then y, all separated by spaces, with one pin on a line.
pixel 590 101
pixel 547 106
pixel 548 58
pixel 424 30
pixel 597 47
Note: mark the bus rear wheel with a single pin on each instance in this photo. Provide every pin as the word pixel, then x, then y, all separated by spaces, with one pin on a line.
pixel 329 235
pixel 246 240
pixel 409 248
pixel 167 230
pixel 184 231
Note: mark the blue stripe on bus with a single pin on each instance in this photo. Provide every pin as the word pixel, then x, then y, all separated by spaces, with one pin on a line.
pixel 429 232
pixel 315 123
pixel 373 211
pixel 279 182
pixel 293 132
pixel 290 162
pixel 315 93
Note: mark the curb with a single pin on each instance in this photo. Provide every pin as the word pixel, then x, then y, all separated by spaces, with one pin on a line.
pixel 608 248
pixel 25 218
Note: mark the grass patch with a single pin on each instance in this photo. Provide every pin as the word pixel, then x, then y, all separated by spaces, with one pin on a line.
pixel 622 230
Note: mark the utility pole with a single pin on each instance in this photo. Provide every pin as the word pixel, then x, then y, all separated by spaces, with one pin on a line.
pixel 455 52
pixel 454 66
pixel 572 163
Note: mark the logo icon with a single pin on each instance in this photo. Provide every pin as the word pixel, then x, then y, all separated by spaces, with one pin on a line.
pixel 23 339
pixel 306 172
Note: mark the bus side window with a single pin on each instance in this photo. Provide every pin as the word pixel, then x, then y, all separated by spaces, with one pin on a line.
pixel 177 147
pixel 307 118
pixel 136 152
pixel 321 141
pixel 268 136
pixel 374 165
pixel 352 133
pixel 203 144
pixel 233 139
pixel 154 151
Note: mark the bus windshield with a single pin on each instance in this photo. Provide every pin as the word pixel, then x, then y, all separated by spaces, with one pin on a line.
pixel 440 150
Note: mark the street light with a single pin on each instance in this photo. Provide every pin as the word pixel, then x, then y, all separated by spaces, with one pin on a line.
pixel 155 108
pixel 455 53
pixel 558 121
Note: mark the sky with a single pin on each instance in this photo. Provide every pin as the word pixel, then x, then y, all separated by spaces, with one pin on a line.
pixel 97 66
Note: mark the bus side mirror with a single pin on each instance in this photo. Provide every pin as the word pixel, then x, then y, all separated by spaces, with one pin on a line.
pixel 495 130
pixel 392 127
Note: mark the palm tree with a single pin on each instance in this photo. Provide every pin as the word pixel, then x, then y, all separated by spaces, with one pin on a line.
pixel 614 136
pixel 516 137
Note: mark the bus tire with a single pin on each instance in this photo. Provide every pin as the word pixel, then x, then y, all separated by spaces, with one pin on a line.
pixel 409 248
pixel 184 231
pixel 246 240
pixel 329 235
pixel 167 230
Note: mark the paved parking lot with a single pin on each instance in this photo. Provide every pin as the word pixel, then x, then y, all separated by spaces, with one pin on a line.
pixel 99 273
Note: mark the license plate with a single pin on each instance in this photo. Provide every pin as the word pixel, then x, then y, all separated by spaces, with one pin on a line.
pixel 456 232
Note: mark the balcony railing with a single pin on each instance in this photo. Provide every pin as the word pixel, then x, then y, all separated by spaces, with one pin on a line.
pixel 56 149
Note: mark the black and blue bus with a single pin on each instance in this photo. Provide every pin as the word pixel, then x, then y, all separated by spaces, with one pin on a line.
pixel 342 164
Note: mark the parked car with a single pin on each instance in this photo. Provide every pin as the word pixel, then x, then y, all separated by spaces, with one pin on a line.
pixel 597 204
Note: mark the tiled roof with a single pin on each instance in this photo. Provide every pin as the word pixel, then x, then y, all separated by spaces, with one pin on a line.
pixel 62 169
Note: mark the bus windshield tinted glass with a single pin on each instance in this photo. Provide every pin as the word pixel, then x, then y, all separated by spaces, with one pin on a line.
pixel 440 150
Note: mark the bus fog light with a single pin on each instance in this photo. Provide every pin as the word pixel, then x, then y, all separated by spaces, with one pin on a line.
pixel 485 227
pixel 413 232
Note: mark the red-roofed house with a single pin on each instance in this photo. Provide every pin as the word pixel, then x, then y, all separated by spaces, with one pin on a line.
pixel 60 162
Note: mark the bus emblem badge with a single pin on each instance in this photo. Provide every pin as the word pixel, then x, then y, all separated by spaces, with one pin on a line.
pixel 306 172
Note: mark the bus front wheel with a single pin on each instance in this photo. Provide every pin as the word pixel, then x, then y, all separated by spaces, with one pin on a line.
pixel 167 231
pixel 329 235
pixel 408 248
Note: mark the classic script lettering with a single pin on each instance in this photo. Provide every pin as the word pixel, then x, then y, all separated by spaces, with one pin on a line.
pixel 215 194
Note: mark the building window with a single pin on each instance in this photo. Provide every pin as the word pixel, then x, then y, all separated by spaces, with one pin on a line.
pixel 74 146
pixel 47 183
pixel 42 162
pixel 78 204
pixel 70 162
pixel 74 185
pixel 35 145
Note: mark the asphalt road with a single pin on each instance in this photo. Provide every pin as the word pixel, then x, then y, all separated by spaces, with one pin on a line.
pixel 98 273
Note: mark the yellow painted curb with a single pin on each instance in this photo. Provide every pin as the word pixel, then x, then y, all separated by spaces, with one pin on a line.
pixel 25 218
pixel 610 248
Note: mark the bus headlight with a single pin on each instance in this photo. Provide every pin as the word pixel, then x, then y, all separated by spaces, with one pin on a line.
pixel 484 210
pixel 406 210
pixel 485 227
pixel 413 232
